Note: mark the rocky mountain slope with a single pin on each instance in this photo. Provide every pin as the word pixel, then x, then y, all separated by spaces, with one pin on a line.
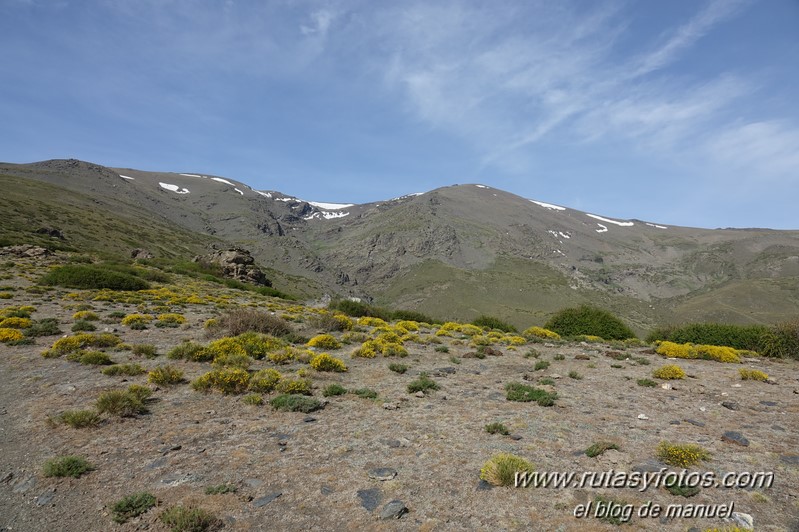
pixel 454 252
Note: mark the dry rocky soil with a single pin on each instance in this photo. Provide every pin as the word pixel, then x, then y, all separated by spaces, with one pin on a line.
pixel 358 464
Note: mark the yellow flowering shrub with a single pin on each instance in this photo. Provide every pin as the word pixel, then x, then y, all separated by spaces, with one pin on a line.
pixel 705 352
pixel 408 325
pixel 232 360
pixel 480 340
pixel 369 321
pixel 87 315
pixel 226 380
pixel 470 330
pixel 79 341
pixel 669 372
pixel 681 455
pixel 540 332
pixel 6 295
pixel 17 312
pixel 224 346
pixel 264 381
pixel 298 386
pixel 170 317
pixel 752 375
pixel 10 335
pixel 513 340
pixel 15 323
pixel 259 345
pixel 325 362
pixel 324 341
pixel 137 319
pixel 368 349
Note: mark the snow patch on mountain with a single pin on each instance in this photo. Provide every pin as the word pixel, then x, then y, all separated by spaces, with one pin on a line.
pixel 331 206
pixel 173 188
pixel 608 220
pixel 549 206
pixel 126 177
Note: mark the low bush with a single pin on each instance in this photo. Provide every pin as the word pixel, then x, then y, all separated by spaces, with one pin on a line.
pixel 358 309
pixel 83 326
pixel 324 341
pixel 422 384
pixel 669 372
pixel 753 375
pixel 647 383
pixel 705 352
pixel 91 358
pixel 245 320
pixel 44 327
pixel 132 506
pixel 67 466
pixel 522 393
pixel 221 489
pixel 80 419
pixel 265 380
pixel 92 277
pixel 226 380
pixel 122 403
pixel 501 469
pixel 600 447
pixel 325 362
pixel 294 386
pixel 255 399
pixel 128 370
pixel 781 341
pixel 189 351
pixel 295 403
pixel 398 368
pixel 15 323
pixel 165 376
pixel 540 332
pixel 681 455
pixel 497 428
pixel 541 364
pixel 10 335
pixel 365 393
pixel 491 322
pixel 747 337
pixel 189 519
pixel 334 389
pixel 587 320
pixel 144 350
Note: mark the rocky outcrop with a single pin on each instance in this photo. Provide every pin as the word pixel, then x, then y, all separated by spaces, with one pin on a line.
pixel 236 263
pixel 140 253
pixel 25 250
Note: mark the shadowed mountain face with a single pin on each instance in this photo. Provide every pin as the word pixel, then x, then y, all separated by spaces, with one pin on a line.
pixel 453 252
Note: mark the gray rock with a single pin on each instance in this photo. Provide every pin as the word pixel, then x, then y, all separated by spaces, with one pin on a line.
pixel 45 497
pixel 743 520
pixel 768 403
pixel 735 437
pixel 790 459
pixel 155 464
pixel 309 419
pixel 370 498
pixel 266 499
pixel 382 473
pixel 393 510
pixel 326 490
pixel 694 422
pixel 650 466
pixel 730 405
pixel 253 482
pixel 24 484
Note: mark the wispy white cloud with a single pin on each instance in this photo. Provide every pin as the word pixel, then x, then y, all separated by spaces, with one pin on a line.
pixel 769 148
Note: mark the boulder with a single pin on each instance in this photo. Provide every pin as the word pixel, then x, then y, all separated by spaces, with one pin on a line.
pixel 236 263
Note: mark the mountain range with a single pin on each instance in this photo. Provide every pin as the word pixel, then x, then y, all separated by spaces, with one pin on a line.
pixel 454 252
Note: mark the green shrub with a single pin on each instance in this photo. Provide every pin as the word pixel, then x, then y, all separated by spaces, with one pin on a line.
pixel 422 384
pixel 781 341
pixel 189 351
pixel 591 321
pixel 44 327
pixel 497 428
pixel 254 399
pixel 92 277
pixel 189 519
pixel 412 315
pixel 324 341
pixel 334 389
pixel 94 358
pixel 600 447
pixel 541 364
pixel 132 506
pixel 748 337
pixel 442 349
pixel 501 469
pixel 575 375
pixel 128 370
pixel 67 466
pixel 82 326
pixel 294 386
pixel 647 383
pixel 220 489
pixel 493 323
pixel 365 393
pixel 520 392
pixel 245 320
pixel 753 374
pixel 358 309
pixel 226 380
pixel 295 403
pixel 120 403
pixel 678 489
pixel 398 368
pixel 80 419
pixel 165 375
pixel 144 350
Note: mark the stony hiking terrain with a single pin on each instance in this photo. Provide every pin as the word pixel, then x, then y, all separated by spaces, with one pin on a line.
pixel 359 462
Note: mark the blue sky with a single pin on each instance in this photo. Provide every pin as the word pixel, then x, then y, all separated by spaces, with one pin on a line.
pixel 682 112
